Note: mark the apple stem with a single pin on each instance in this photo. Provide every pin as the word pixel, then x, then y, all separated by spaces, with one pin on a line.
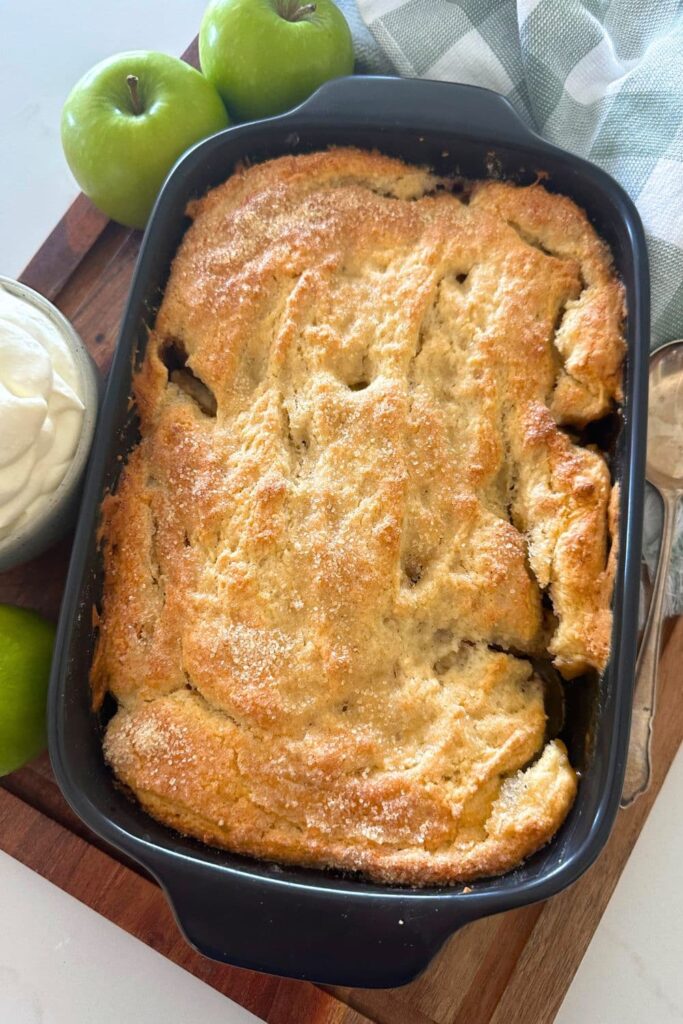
pixel 303 12
pixel 132 82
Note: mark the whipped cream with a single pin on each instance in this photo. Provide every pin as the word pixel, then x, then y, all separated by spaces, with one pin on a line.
pixel 41 411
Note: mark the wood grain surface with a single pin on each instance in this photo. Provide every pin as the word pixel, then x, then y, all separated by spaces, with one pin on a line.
pixel 510 969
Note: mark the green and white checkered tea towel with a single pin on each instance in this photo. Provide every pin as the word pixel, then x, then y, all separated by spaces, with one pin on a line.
pixel 602 78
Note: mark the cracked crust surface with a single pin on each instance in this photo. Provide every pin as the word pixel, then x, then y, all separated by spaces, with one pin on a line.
pixel 326 560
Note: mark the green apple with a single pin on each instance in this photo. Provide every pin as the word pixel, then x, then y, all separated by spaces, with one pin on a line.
pixel 126 122
pixel 265 56
pixel 26 641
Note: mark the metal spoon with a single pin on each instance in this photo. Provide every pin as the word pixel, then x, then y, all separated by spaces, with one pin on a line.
pixel 665 472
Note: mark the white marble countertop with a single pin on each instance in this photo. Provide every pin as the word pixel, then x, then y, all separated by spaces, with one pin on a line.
pixel 61 962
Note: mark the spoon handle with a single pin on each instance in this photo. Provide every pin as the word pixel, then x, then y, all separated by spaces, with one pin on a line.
pixel 638 764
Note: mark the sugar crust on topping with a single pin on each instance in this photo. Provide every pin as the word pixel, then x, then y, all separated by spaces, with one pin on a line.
pixel 327 558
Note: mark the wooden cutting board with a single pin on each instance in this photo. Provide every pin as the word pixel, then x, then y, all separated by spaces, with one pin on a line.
pixel 510 969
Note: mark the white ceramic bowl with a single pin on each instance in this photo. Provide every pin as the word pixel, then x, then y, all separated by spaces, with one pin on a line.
pixel 55 519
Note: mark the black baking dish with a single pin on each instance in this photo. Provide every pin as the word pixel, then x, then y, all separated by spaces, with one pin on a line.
pixel 306 923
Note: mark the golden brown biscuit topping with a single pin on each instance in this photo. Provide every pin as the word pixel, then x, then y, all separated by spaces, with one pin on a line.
pixel 326 560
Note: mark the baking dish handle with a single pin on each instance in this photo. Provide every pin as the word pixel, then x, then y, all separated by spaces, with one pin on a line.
pixel 320 934
pixel 481 113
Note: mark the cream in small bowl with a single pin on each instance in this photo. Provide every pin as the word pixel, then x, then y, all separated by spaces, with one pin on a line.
pixel 48 406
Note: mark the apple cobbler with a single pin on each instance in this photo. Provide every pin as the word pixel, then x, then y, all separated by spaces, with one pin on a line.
pixel 359 518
